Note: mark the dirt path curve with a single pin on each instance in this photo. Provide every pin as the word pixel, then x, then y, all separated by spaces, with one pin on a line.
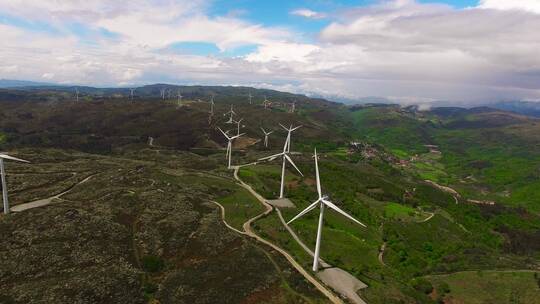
pixel 381 254
pixel 249 232
pixel 432 214
pixel 47 201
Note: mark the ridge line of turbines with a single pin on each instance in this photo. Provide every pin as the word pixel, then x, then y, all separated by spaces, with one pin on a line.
pixel 165 93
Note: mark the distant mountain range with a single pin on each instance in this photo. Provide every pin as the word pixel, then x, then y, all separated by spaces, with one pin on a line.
pixel 529 108
pixel 10 83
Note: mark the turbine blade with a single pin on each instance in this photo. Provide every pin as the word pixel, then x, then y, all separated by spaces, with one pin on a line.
pixel 296 128
pixel 292 163
pixel 317 173
pixel 223 132
pixel 308 209
pixel 263 130
pixel 5 156
pixel 271 157
pixel 336 208
pixel 236 136
pixel 284 127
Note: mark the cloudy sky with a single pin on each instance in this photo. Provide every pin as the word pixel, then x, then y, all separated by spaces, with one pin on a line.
pixel 462 51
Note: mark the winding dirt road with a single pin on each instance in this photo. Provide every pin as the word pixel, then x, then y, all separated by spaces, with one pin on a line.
pixel 249 232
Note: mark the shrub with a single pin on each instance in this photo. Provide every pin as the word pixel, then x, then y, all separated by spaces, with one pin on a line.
pixel 422 285
pixel 152 263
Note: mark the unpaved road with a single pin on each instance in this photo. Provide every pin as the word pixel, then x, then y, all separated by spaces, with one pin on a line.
pixel 46 201
pixel 249 232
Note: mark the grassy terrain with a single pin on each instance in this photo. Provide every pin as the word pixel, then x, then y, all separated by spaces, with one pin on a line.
pixel 488 287
pixel 240 207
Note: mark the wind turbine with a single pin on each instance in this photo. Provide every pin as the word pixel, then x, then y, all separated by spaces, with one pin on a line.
pixel 77 94
pixel 238 122
pixel 250 97
pixel 229 145
pixel 131 93
pixel 231 113
pixel 293 107
pixel 265 102
pixel 286 158
pixel 4 183
pixel 162 91
pixel 266 137
pixel 322 201
pixel 212 105
pixel 289 131
pixel 179 95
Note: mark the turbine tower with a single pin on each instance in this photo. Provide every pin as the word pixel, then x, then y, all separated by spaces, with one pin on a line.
pixel 3 177
pixel 162 91
pixel 286 158
pixel 265 102
pixel 131 93
pixel 229 145
pixel 322 201
pixel 77 94
pixel 179 96
pixel 293 107
pixel 212 106
pixel 266 137
pixel 250 97
pixel 231 113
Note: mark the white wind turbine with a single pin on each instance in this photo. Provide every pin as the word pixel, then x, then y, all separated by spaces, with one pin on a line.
pixel 162 91
pixel 289 131
pixel 179 96
pixel 286 158
pixel 265 102
pixel 250 98
pixel 131 93
pixel 231 113
pixel 293 107
pixel 3 174
pixel 229 145
pixel 212 106
pixel 238 122
pixel 266 137
pixel 77 94
pixel 322 201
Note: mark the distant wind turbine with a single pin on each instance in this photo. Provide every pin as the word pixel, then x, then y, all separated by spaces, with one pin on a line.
pixel 3 157
pixel 231 113
pixel 179 96
pixel 229 145
pixel 293 107
pixel 250 98
pixel 162 91
pixel 238 122
pixel 322 201
pixel 265 102
pixel 131 93
pixel 77 94
pixel 266 137
pixel 286 158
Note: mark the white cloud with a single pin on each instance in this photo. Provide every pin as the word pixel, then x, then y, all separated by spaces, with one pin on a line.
pixel 526 5
pixel 307 13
